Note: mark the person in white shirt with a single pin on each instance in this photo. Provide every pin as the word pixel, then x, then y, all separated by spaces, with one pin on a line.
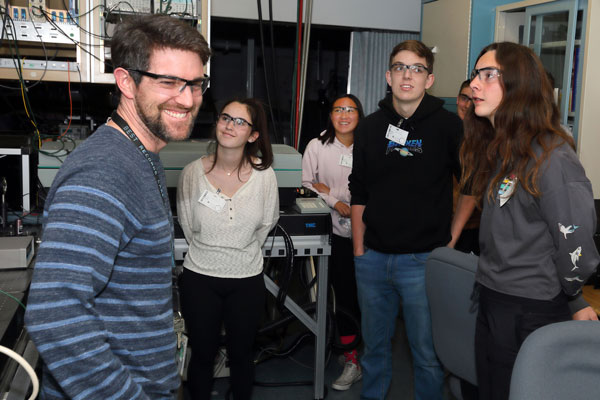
pixel 326 165
pixel 227 203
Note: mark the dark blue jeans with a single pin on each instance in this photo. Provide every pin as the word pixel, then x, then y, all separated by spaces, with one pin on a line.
pixel 383 281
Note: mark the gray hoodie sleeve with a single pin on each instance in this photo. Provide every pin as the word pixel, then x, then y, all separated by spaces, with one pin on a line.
pixel 577 303
pixel 567 206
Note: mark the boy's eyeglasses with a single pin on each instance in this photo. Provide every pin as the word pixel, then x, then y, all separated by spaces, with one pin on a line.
pixel 415 68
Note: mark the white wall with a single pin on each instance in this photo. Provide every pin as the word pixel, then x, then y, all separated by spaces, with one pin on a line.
pixel 589 140
pixel 398 15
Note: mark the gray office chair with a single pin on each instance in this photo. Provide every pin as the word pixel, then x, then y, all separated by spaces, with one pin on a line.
pixel 450 278
pixel 557 362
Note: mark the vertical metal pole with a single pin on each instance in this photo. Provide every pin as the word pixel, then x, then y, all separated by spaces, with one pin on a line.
pixel 250 60
pixel 305 52
pixel 26 186
pixel 321 326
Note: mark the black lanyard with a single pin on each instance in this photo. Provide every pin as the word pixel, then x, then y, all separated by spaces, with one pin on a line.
pixel 140 146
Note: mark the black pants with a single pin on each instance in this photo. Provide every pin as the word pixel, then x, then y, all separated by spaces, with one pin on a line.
pixel 343 281
pixel 207 303
pixel 503 323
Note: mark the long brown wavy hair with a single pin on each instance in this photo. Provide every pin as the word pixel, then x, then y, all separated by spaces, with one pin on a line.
pixel 526 115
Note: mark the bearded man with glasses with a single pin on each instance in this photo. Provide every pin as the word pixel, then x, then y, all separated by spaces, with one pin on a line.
pixel 100 304
pixel 401 184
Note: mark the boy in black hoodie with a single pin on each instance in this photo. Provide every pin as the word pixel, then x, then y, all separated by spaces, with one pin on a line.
pixel 401 184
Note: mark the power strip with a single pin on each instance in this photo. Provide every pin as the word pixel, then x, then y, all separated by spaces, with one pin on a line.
pixel 40 65
pixel 30 31
pixel 131 6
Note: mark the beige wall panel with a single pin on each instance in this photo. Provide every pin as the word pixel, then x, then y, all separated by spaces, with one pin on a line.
pixel 446 25
pixel 589 131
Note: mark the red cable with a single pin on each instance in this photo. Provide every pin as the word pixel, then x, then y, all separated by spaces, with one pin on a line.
pixel 70 101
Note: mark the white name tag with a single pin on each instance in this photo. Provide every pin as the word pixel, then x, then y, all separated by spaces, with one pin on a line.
pixel 212 201
pixel 396 134
pixel 346 160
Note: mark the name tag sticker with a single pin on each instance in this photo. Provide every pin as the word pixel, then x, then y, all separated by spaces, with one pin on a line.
pixel 346 160
pixel 396 134
pixel 212 201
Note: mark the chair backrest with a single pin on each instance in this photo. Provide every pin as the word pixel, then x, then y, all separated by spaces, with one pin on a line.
pixel 450 278
pixel 559 361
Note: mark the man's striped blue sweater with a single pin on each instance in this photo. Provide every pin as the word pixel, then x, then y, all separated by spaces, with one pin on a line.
pixel 100 302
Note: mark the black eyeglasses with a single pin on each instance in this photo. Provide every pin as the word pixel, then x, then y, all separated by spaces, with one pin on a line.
pixel 415 68
pixel 174 85
pixel 464 97
pixel 237 121
pixel 487 74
